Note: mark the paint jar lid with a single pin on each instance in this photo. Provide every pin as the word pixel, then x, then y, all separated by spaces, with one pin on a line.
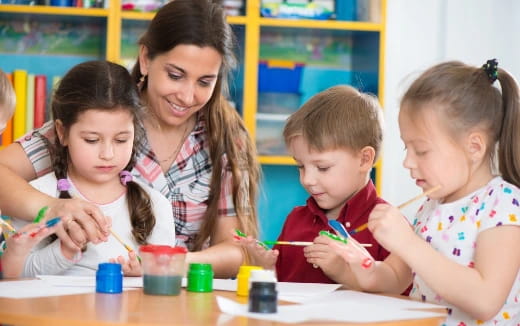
pixel 262 275
pixel 162 250
pixel 198 267
pixel 109 268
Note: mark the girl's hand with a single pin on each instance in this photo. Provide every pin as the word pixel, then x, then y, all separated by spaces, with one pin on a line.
pixel 20 245
pixel 258 255
pixel 27 237
pixel 130 267
pixel 390 228
pixel 320 255
pixel 84 220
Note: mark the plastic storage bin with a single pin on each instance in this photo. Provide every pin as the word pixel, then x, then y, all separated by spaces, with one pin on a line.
pixel 274 77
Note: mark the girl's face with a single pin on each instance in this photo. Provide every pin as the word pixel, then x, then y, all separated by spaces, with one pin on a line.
pixel 100 145
pixel 180 82
pixel 331 177
pixel 432 156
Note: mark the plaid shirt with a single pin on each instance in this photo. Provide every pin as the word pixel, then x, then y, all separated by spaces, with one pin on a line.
pixel 185 184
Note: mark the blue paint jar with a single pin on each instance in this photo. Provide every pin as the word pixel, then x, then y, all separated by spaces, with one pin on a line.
pixel 109 278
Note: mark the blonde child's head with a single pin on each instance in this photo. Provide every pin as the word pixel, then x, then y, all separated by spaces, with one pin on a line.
pixel 340 117
pixel 335 138
pixel 477 108
pixel 7 100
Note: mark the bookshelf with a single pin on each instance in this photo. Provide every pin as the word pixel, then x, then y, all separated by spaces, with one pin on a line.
pixel 280 176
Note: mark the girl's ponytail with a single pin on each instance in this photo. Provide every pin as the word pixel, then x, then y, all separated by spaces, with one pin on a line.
pixel 509 139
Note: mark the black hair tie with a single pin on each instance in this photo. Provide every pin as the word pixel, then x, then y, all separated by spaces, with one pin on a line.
pixel 491 69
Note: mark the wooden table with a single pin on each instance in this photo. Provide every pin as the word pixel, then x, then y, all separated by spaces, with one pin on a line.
pixel 135 308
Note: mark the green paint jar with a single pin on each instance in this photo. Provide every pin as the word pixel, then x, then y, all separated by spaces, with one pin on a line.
pixel 200 278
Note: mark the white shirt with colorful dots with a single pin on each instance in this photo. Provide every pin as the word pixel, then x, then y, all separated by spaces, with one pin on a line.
pixel 453 228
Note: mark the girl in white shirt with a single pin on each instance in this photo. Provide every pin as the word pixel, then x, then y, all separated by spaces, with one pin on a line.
pixel 96 116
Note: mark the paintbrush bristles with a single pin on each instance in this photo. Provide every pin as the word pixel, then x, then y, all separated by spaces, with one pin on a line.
pixel 7 225
pixel 127 247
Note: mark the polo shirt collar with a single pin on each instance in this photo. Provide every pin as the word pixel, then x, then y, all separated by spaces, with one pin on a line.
pixel 352 210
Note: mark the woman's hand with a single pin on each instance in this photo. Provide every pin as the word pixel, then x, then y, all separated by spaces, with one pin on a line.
pixel 130 267
pixel 82 222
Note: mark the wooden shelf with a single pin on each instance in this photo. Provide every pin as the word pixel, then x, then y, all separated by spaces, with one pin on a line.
pixel 253 24
pixel 321 24
pixel 52 10
pixel 276 160
pixel 136 15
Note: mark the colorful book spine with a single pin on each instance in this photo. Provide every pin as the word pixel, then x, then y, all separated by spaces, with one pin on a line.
pixel 29 105
pixel 20 89
pixel 7 135
pixel 40 100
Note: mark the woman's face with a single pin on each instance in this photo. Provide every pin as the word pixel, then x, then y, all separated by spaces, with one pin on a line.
pixel 180 82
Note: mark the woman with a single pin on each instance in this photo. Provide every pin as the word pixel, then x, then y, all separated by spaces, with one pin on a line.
pixel 196 151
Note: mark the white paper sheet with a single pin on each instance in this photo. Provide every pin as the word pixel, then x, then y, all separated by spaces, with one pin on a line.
pixel 295 291
pixel 337 311
pixel 37 288
pixel 300 292
pixel 87 281
pixel 349 297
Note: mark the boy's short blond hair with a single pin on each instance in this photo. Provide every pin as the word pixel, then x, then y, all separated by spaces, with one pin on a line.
pixel 340 117
pixel 7 95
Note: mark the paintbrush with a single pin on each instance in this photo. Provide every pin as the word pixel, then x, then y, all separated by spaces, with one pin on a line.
pixel 7 225
pixel 127 247
pixel 301 243
pixel 403 205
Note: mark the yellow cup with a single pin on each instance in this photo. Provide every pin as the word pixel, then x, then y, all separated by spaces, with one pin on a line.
pixel 243 279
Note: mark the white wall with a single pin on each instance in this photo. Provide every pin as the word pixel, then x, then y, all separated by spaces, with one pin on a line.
pixel 421 33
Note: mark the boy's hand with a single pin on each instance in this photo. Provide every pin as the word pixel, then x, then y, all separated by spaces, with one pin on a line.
pixel 390 228
pixel 258 255
pixel 355 255
pixel 130 267
pixel 20 245
pixel 319 254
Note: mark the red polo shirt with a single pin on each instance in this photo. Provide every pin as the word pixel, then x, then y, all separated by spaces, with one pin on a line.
pixel 305 222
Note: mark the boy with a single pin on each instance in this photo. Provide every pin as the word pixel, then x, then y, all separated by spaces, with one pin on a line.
pixel 18 245
pixel 335 139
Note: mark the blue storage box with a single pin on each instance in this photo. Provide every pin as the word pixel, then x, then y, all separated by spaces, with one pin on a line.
pixel 281 79
pixel 317 79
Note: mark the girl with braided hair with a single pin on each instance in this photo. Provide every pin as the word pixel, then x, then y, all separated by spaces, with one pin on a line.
pixel 96 114
pixel 462 248
pixel 196 150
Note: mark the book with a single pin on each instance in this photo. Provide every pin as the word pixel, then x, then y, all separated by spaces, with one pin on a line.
pixel 29 104
pixel 7 135
pixel 40 100
pixel 20 89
